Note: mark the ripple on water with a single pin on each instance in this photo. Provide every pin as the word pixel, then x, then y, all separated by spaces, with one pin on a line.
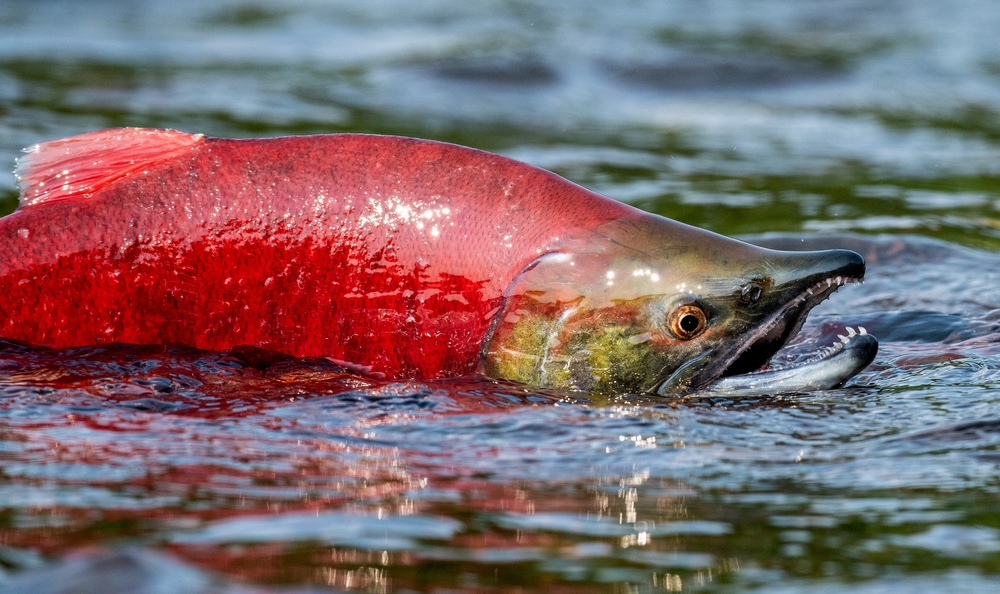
pixel 800 117
pixel 375 460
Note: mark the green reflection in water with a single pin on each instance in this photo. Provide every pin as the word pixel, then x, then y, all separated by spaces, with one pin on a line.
pixel 8 202
pixel 835 50
pixel 770 536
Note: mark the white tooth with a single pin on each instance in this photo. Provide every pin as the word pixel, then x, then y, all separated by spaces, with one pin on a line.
pixel 810 291
pixel 842 338
pixel 840 280
pixel 829 282
pixel 850 331
pixel 861 330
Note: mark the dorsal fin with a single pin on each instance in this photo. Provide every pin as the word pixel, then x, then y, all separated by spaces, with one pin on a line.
pixel 81 165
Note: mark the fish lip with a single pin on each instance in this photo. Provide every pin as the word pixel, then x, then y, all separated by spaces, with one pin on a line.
pixel 830 367
pixel 811 296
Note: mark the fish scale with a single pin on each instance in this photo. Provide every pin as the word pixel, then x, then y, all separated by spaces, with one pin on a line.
pixel 384 251
pixel 392 256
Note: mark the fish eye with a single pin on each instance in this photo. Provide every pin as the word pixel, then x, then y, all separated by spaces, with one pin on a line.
pixel 687 321
pixel 750 293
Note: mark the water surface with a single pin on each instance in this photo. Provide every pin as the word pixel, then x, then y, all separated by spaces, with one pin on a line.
pixel 798 123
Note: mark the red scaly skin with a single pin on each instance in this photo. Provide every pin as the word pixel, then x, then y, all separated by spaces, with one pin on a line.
pixel 386 252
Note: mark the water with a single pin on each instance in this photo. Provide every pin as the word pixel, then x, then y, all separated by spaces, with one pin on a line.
pixel 837 123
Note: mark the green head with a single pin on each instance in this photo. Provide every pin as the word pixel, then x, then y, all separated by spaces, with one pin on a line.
pixel 646 304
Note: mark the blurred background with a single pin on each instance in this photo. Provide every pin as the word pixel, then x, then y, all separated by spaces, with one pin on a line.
pixel 740 116
pixel 869 125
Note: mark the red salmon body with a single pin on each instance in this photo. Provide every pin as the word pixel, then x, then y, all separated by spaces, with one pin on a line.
pixel 386 252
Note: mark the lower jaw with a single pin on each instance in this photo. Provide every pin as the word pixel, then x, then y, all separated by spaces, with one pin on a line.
pixel 836 365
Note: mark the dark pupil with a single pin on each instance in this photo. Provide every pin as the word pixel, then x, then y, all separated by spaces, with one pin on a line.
pixel 689 323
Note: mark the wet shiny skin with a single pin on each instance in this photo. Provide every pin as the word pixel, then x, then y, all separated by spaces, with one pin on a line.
pixel 881 487
pixel 402 258
pixel 596 316
pixel 354 247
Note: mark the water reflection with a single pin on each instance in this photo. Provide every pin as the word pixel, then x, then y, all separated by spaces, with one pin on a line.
pixel 777 116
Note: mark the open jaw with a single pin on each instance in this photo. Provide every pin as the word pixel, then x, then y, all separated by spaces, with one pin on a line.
pixel 742 369
pixel 830 368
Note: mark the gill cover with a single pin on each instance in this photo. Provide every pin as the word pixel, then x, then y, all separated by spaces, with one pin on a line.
pixel 646 304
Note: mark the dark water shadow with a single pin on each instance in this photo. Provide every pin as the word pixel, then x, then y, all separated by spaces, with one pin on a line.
pixel 720 72
pixel 515 72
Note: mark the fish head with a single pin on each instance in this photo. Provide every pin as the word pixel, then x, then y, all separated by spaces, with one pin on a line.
pixel 644 304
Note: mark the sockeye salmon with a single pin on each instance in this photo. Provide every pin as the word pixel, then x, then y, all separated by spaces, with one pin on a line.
pixel 401 257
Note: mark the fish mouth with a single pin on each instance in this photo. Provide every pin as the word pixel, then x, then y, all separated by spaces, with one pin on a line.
pixel 756 352
pixel 754 349
pixel 829 368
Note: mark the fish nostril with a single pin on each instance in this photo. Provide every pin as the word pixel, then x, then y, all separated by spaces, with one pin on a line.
pixel 750 293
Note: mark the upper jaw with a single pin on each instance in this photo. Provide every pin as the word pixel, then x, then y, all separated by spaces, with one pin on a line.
pixel 756 349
